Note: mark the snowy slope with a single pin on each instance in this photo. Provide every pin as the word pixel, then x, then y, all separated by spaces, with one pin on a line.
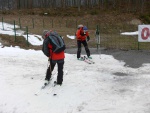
pixel 86 88
pixel 104 87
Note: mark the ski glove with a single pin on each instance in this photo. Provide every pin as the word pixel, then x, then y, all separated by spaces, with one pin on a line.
pixel 88 38
pixel 82 34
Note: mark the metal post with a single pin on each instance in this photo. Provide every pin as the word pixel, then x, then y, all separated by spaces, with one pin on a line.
pixel 27 36
pixel 52 23
pixel 59 23
pixel 43 23
pixel 33 22
pixel 15 29
pixel 20 23
pixel 66 23
pixel 87 24
pixel 98 40
pixel 76 23
pixel 3 23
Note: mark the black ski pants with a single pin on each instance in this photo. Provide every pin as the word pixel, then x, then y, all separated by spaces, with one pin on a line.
pixel 60 64
pixel 79 42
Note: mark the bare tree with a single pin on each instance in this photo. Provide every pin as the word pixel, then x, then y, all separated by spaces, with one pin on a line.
pixel 79 5
pixel 120 5
pixel 63 3
pixel 142 6
pixel 30 3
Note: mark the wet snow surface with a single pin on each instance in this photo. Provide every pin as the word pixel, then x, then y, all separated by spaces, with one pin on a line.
pixel 108 86
pixel 118 82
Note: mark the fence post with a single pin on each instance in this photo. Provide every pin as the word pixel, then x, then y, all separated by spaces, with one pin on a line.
pixel 97 34
pixel 52 23
pixel 138 46
pixel 19 23
pixel 43 23
pixel 87 25
pixel 33 22
pixel 15 29
pixel 66 22
pixel 27 36
pixel 59 23
pixel 76 23
pixel 3 23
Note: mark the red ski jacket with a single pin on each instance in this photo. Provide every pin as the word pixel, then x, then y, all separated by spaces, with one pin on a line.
pixel 47 50
pixel 81 35
pixel 55 56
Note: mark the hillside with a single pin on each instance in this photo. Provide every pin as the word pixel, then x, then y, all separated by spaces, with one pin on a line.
pixel 66 21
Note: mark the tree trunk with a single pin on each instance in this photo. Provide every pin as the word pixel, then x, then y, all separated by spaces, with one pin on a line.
pixel 79 5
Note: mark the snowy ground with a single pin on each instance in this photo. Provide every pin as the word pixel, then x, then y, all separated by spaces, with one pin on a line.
pixel 94 88
pixel 108 86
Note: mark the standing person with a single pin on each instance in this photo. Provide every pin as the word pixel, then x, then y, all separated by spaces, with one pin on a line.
pixel 54 56
pixel 82 35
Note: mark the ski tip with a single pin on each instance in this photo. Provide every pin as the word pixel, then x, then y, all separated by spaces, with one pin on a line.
pixel 36 94
pixel 54 94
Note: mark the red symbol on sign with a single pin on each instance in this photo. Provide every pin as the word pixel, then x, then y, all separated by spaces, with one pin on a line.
pixel 145 33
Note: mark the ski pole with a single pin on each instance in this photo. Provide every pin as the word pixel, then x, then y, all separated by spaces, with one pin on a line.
pixel 49 71
pixel 99 47
pixel 50 67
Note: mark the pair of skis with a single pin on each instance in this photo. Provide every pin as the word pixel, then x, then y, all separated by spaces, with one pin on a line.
pixel 47 83
pixel 55 83
pixel 87 60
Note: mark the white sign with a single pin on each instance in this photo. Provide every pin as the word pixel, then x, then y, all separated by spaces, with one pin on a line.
pixel 144 33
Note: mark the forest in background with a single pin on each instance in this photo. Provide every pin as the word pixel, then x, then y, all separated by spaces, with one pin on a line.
pixel 141 6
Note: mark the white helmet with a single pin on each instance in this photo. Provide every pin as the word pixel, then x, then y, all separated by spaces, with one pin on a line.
pixel 79 26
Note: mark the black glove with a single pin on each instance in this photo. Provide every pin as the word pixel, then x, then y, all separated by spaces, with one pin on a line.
pixel 88 38
pixel 82 34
